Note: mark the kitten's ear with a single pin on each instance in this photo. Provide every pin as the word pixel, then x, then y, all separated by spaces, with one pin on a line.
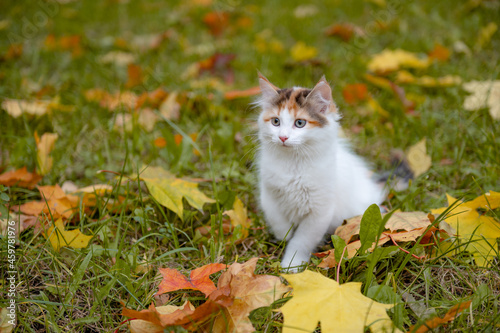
pixel 321 95
pixel 267 89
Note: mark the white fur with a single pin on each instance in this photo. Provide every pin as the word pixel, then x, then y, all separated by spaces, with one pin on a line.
pixel 309 185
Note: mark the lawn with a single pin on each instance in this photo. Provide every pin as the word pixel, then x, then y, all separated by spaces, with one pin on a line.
pixel 131 85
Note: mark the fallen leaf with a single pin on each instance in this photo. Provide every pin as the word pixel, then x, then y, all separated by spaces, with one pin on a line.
pixel 439 52
pixel 239 217
pixel 338 308
pixel 54 203
pixel 392 60
pixel 44 147
pixel 170 107
pixel 355 93
pixel 122 99
pixel 64 43
pixel 21 223
pixel 485 34
pixel 199 279
pixel 135 76
pixel 169 191
pixel 344 31
pixel 15 51
pixel 5 318
pixel 218 64
pixel 378 81
pixel 249 291
pixel 304 11
pixel 418 159
pixel 437 321
pixel 480 232
pixel 20 177
pixel 428 81
pixel 485 94
pixel 234 94
pixel 118 58
pixel 59 237
pixel 265 42
pixel 15 107
pixel 301 52
pixel 143 326
pixel 217 22
pixel 160 142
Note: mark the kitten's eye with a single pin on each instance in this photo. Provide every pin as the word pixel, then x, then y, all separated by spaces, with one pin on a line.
pixel 300 123
pixel 275 121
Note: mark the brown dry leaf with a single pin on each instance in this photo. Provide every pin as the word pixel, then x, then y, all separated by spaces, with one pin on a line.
pixel 20 177
pixel 418 159
pixel 355 93
pixel 234 94
pixel 344 31
pixel 143 326
pixel 58 204
pixel 135 76
pixel 401 227
pixel 15 51
pixel 249 292
pixel 436 322
pixel 44 147
pixel 151 99
pixel 218 64
pixel 217 22
pixel 65 43
pixel 439 52
pixel 21 223
pixel 16 107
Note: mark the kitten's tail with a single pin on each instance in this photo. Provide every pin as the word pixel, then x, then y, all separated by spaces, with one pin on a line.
pixel 400 175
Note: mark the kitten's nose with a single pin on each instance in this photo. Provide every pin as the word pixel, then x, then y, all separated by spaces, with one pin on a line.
pixel 283 138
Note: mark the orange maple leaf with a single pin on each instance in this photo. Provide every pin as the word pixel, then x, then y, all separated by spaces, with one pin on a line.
pixel 199 279
pixel 20 177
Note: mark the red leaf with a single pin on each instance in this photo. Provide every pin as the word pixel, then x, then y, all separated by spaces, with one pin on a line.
pixel 199 279
pixel 217 22
pixel 354 93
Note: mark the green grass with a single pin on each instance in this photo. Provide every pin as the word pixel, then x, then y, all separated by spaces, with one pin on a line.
pixel 81 290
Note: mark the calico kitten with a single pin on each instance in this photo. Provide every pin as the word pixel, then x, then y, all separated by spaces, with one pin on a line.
pixel 309 180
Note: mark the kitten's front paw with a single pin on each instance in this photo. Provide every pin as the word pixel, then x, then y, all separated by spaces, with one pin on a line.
pixel 294 265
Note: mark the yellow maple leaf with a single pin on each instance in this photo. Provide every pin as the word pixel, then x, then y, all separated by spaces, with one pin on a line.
pixel 301 52
pixel 479 231
pixel 428 81
pixel 59 237
pixel 169 190
pixel 417 158
pixel 339 308
pixel 44 146
pixel 239 217
pixel 392 60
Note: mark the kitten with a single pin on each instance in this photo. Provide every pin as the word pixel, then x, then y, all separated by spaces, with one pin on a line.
pixel 309 180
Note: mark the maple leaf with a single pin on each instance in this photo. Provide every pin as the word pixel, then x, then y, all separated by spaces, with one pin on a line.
pixel 401 227
pixel 144 326
pixel 239 217
pixel 355 93
pixel 59 237
pixel 302 52
pixel 482 231
pixel 44 146
pixel 418 160
pixel 428 81
pixel 392 60
pixel 199 279
pixel 169 190
pixel 20 177
pixel 436 321
pixel 54 203
pixel 249 291
pixel 338 308
pixel 485 94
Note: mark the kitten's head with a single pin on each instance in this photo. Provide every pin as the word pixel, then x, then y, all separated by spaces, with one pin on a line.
pixel 296 117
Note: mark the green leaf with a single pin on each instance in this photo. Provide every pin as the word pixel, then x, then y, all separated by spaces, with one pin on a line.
pixel 169 190
pixel 370 227
pixel 339 245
